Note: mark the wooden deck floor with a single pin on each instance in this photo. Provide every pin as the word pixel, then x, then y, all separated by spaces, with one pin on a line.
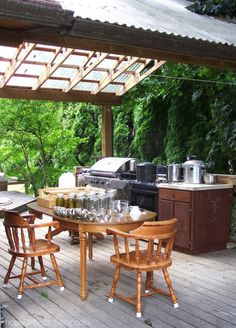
pixel 205 286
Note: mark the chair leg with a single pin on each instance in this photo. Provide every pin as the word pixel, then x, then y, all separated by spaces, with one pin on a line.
pixel 43 271
pixel 138 302
pixel 172 293
pixel 32 263
pixel 114 284
pixel 149 281
pixel 22 278
pixel 7 277
pixel 55 267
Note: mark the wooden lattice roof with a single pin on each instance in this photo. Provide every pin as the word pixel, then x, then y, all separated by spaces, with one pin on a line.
pixel 95 51
pixel 38 67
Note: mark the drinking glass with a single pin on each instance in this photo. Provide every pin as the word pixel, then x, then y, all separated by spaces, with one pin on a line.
pixel 119 208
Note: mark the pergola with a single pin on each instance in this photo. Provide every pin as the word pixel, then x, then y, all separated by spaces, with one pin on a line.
pixel 89 52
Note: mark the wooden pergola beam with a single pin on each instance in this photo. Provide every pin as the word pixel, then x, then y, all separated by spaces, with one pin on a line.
pixel 22 52
pixel 139 77
pixel 113 75
pixel 154 44
pixel 57 95
pixel 51 68
pixel 138 43
pixel 82 73
pixel 107 131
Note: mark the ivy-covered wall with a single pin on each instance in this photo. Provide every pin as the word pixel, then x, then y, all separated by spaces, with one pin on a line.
pixel 185 110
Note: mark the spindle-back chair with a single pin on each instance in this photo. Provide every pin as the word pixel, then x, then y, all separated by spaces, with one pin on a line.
pixel 20 231
pixel 155 256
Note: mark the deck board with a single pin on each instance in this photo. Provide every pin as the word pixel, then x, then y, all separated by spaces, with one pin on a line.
pixel 205 286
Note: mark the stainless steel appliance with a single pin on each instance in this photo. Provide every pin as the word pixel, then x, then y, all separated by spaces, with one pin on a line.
pixel 146 172
pixel 193 171
pixel 111 167
pixel 119 173
pixel 174 172
pixel 112 173
pixel 161 171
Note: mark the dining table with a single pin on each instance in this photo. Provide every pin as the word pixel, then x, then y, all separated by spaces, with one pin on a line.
pixel 86 229
pixel 14 201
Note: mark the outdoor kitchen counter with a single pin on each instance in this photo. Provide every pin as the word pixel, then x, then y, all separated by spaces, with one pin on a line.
pixel 203 213
pixel 194 186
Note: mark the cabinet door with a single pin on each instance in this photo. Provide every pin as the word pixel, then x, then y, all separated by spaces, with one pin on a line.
pixel 211 218
pixel 182 213
pixel 166 209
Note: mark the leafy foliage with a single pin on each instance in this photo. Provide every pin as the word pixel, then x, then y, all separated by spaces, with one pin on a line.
pixel 161 120
pixel 34 143
pixel 85 121
pixel 224 8
pixel 170 118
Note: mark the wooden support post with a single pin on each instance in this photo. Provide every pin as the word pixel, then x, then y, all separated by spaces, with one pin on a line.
pixel 107 131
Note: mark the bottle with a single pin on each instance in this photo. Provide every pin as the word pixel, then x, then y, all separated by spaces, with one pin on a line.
pixel 70 200
pixel 60 201
pixel 110 196
pixel 79 200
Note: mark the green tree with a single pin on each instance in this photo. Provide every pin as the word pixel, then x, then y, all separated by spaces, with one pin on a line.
pixel 34 143
pixel 85 120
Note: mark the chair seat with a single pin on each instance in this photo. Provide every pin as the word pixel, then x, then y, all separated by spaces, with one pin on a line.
pixel 41 248
pixel 143 263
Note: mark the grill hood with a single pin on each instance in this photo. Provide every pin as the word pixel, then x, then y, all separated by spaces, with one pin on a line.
pixel 111 166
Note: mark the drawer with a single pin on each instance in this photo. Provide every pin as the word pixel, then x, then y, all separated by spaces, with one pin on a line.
pixel 173 194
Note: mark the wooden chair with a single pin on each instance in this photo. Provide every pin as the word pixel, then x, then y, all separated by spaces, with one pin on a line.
pixel 20 231
pixel 153 257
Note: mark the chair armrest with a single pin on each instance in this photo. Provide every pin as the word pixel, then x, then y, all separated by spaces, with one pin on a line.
pixel 30 217
pixel 120 233
pixel 54 224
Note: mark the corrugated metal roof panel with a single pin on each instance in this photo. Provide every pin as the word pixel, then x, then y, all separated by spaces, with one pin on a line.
pixel 96 75
pixel 123 78
pixel 107 63
pixel 55 84
pixel 135 66
pixel 75 60
pixel 65 72
pixel 21 81
pixel 112 88
pixel 40 56
pixel 169 16
pixel 30 69
pixel 85 86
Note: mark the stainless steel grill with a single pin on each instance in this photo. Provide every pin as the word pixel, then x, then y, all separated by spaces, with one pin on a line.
pixel 120 174
pixel 111 173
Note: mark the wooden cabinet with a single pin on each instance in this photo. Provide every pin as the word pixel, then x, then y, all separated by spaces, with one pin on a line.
pixel 203 217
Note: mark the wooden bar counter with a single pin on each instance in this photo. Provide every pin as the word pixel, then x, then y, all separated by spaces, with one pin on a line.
pixel 86 229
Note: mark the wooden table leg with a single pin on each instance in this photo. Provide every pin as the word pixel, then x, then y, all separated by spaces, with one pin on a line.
pixel 83 266
pixel 90 245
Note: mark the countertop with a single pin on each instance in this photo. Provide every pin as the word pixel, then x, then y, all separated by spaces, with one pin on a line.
pixel 194 186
